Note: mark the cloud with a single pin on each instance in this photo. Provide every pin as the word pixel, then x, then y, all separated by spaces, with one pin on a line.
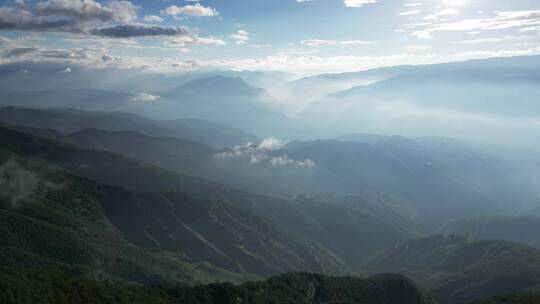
pixel 153 18
pixel 321 42
pixel 44 53
pixel 448 11
pixel 285 160
pixel 22 20
pixel 139 30
pixel 145 97
pixel 358 3
pixel 413 4
pixel 195 40
pixel 266 153
pixel 493 40
pixel 20 51
pixel 65 15
pixel 502 20
pixel 18 184
pixel 270 143
pixel 409 13
pixel 85 10
pixel 6 42
pixel 417 48
pixel 240 36
pixel 196 10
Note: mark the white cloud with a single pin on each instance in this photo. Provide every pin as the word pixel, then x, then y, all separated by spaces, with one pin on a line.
pixel 502 20
pixel 493 40
pixel 264 153
pixel 409 13
pixel 195 40
pixel 358 3
pixel 285 160
pixel 145 97
pixel 499 53
pixel 195 10
pixel 240 36
pixel 321 42
pixel 152 18
pixel 447 11
pixel 271 143
pixel 123 11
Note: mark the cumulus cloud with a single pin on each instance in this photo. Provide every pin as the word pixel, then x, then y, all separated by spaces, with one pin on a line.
pixel 285 160
pixel 266 153
pixel 271 143
pixel 241 37
pixel 195 40
pixel 153 18
pixel 358 3
pixel 145 97
pixel 140 30
pixel 196 10
pixel 85 10
pixel 65 15
pixel 410 13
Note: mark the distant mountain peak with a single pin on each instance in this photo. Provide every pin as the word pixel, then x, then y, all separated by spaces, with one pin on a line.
pixel 219 85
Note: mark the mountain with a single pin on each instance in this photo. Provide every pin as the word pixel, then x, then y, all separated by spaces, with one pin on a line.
pixel 230 100
pixel 69 121
pixel 402 167
pixel 188 222
pixel 303 219
pixel 174 154
pixel 218 86
pixel 509 228
pixel 88 99
pixel 290 288
pixel 353 226
pixel 420 170
pixel 466 100
pixel 531 298
pixel 456 269
pixel 51 218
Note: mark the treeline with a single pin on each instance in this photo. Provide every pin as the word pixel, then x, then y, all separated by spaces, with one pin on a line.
pixel 49 286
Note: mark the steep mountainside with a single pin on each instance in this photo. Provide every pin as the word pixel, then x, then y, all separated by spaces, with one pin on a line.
pixel 518 229
pixel 457 269
pixel 364 215
pixel 401 167
pixel 353 226
pixel 531 298
pixel 207 221
pixel 68 121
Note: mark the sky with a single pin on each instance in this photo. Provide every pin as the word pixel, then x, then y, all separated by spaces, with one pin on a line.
pixel 296 36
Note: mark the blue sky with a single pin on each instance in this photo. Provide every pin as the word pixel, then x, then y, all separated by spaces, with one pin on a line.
pixel 303 37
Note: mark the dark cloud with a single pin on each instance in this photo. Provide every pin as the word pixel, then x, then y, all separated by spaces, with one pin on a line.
pixel 139 30
pixel 65 15
pixel 20 51
pixel 11 19
pixel 120 11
